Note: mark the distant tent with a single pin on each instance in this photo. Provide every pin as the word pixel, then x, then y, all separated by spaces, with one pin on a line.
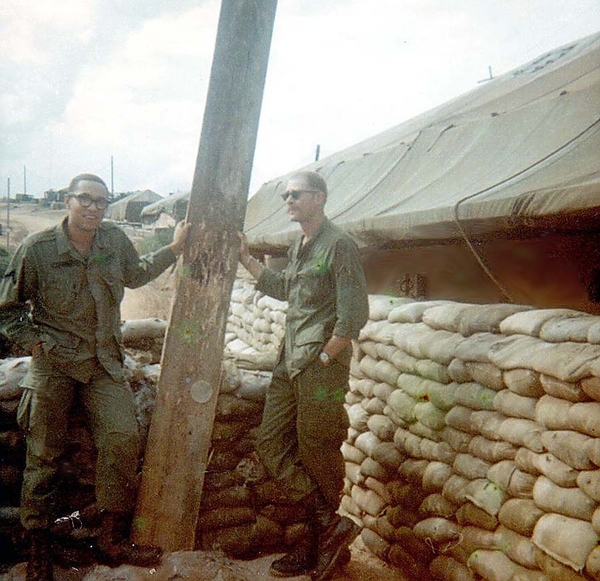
pixel 174 206
pixel 129 208
pixel 519 152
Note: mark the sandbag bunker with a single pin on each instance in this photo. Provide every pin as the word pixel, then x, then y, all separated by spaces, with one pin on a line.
pixel 473 451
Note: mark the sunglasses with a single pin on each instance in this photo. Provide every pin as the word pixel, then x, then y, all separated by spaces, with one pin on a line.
pixel 85 201
pixel 295 194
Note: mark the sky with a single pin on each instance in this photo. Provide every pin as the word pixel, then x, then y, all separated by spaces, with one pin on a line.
pixel 87 80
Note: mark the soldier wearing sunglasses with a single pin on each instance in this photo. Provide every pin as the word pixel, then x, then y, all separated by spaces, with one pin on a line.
pixel 60 299
pixel 304 421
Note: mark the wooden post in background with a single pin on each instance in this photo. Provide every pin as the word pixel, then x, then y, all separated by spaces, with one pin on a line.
pixel 180 432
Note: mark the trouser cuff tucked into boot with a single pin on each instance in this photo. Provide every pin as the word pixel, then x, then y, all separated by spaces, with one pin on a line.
pixel 333 550
pixel 115 547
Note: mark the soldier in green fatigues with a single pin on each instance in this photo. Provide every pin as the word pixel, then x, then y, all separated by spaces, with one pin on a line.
pixel 304 422
pixel 60 299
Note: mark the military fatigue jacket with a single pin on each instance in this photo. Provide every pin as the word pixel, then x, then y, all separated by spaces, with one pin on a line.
pixel 52 294
pixel 325 287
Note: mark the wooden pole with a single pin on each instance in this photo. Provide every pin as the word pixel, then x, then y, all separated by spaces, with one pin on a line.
pixel 180 432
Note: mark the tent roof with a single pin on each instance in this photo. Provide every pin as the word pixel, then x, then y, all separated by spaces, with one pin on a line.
pixel 118 210
pixel 165 205
pixel 517 150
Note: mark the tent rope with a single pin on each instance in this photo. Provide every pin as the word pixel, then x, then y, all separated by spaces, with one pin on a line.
pixel 503 291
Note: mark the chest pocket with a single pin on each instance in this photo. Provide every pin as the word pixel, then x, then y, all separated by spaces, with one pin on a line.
pixel 112 277
pixel 61 287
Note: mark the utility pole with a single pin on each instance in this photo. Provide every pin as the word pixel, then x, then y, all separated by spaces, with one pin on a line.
pixel 8 216
pixel 112 176
pixel 25 180
pixel 318 152
pixel 180 433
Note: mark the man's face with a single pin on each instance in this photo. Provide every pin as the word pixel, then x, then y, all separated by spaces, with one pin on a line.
pixel 92 195
pixel 302 201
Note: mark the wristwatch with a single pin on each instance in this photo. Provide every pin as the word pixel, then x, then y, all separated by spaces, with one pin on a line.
pixel 324 358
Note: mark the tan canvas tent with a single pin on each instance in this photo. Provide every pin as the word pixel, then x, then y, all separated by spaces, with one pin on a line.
pixel 520 150
pixel 129 208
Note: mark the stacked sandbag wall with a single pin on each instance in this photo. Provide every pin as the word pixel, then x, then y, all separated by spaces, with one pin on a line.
pixel 474 447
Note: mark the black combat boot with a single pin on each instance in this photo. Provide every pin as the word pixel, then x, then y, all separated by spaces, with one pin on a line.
pixel 335 534
pixel 39 566
pixel 115 547
pixel 302 559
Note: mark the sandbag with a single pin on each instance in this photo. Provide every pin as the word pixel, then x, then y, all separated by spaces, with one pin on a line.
pixel 554 535
pixel 553 413
pixel 403 405
pixel 568 328
pixel 368 500
pixel 382 391
pixel 475 396
pixel 460 418
pixel 376 544
pixel 589 482
pixel 491 451
pixel 486 374
pixel 486 318
pixel 429 415
pixel 520 515
pixel 432 370
pixel 557 471
pixel 442 396
pixel 458 440
pixel 438 530
pixel 487 423
pixel 492 565
pixel 421 430
pixel 470 467
pixel 457 370
pixel 591 387
pixel 382 426
pixel 469 514
pixel 524 459
pixel 555 570
pixel 522 433
pixel 585 418
pixel 12 371
pixel 569 390
pixel 358 417
pixel 531 322
pixel 447 569
pixel 388 455
pixel 411 312
pixel 568 446
pixel 435 476
pixel 486 495
pixel 455 489
pixel 592 564
pixel 571 502
pixel 437 505
pixel 516 406
pixel 413 567
pixel 380 306
pixel 517 547
pixel 525 382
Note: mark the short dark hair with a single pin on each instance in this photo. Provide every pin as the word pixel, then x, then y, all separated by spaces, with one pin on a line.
pixel 314 180
pixel 85 177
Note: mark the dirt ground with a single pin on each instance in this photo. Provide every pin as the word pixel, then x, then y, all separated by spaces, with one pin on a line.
pixel 154 300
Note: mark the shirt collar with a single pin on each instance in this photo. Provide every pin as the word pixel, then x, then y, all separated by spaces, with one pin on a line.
pixel 64 244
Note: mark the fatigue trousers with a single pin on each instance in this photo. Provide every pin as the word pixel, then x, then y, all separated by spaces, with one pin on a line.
pixel 44 413
pixel 302 430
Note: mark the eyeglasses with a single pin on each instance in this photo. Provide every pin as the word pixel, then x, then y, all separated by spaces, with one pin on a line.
pixel 85 201
pixel 295 194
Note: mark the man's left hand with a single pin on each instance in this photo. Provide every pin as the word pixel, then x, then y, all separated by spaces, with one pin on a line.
pixel 179 237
